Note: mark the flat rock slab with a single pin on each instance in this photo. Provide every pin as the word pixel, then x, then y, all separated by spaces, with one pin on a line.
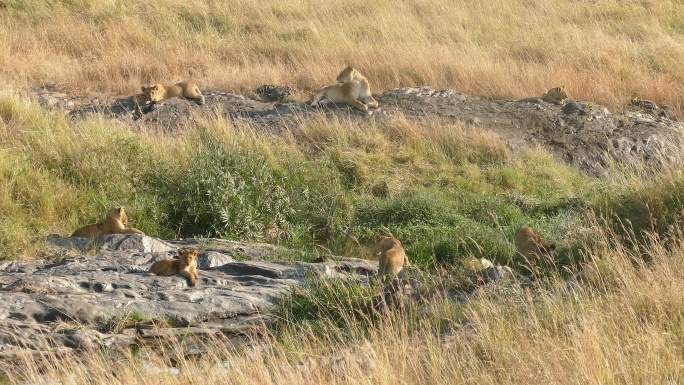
pixel 105 299
pixel 111 242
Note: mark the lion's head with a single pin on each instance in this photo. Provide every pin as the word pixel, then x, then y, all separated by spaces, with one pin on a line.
pixel 118 213
pixel 348 74
pixel 558 94
pixel 153 93
pixel 187 256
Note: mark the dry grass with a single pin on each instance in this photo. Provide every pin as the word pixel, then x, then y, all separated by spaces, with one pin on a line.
pixel 605 51
pixel 622 324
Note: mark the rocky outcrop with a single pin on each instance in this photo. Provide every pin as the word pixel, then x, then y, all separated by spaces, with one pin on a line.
pixel 105 298
pixel 102 296
pixel 581 133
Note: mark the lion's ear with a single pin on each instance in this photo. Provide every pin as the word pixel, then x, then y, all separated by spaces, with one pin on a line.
pixel 157 87
pixel 143 88
pixel 377 237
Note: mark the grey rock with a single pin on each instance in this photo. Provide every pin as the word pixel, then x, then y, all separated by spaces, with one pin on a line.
pixel 104 299
pixel 111 242
pixel 233 249
pixel 261 268
pixel 500 274
pixel 494 274
pixel 209 259
pixel 80 338
pixel 273 93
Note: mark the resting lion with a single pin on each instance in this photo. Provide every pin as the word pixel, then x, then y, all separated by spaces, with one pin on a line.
pixel 555 95
pixel 351 88
pixel 114 223
pixel 392 256
pixel 532 246
pixel 185 265
pixel 159 92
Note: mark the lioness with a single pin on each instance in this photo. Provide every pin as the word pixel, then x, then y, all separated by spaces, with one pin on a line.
pixel 555 95
pixel 114 223
pixel 351 88
pixel 533 247
pixel 186 265
pixel 392 256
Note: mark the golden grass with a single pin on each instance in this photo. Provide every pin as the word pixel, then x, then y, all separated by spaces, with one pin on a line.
pixel 622 324
pixel 605 51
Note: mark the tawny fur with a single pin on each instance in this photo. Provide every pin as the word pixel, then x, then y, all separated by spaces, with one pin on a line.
pixel 351 88
pixel 159 92
pixel 532 246
pixel 185 265
pixel 555 95
pixel 392 256
pixel 114 223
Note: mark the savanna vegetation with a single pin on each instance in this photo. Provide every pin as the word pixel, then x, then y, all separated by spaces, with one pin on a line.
pixel 450 193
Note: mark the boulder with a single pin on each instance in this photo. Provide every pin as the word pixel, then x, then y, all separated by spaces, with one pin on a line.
pixel 111 242
pixel 106 298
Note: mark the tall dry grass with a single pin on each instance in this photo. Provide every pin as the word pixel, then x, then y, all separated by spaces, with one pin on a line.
pixel 622 324
pixel 605 51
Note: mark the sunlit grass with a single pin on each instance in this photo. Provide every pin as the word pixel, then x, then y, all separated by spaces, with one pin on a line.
pixel 604 51
pixel 622 323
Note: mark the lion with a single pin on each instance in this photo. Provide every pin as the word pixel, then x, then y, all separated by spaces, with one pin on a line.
pixel 160 92
pixel 114 223
pixel 186 265
pixel 555 95
pixel 532 246
pixel 351 88
pixel 392 256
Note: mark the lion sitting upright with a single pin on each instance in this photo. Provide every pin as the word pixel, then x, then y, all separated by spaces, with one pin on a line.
pixel 185 265
pixel 555 95
pixel 392 256
pixel 533 248
pixel 160 92
pixel 114 223
pixel 351 88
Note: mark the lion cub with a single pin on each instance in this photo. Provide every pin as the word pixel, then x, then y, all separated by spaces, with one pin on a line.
pixel 159 92
pixel 186 265
pixel 351 88
pixel 533 247
pixel 555 95
pixel 392 256
pixel 114 223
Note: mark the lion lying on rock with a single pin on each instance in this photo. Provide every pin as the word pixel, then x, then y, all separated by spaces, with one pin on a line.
pixel 185 265
pixel 160 92
pixel 114 223
pixel 555 95
pixel 351 88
